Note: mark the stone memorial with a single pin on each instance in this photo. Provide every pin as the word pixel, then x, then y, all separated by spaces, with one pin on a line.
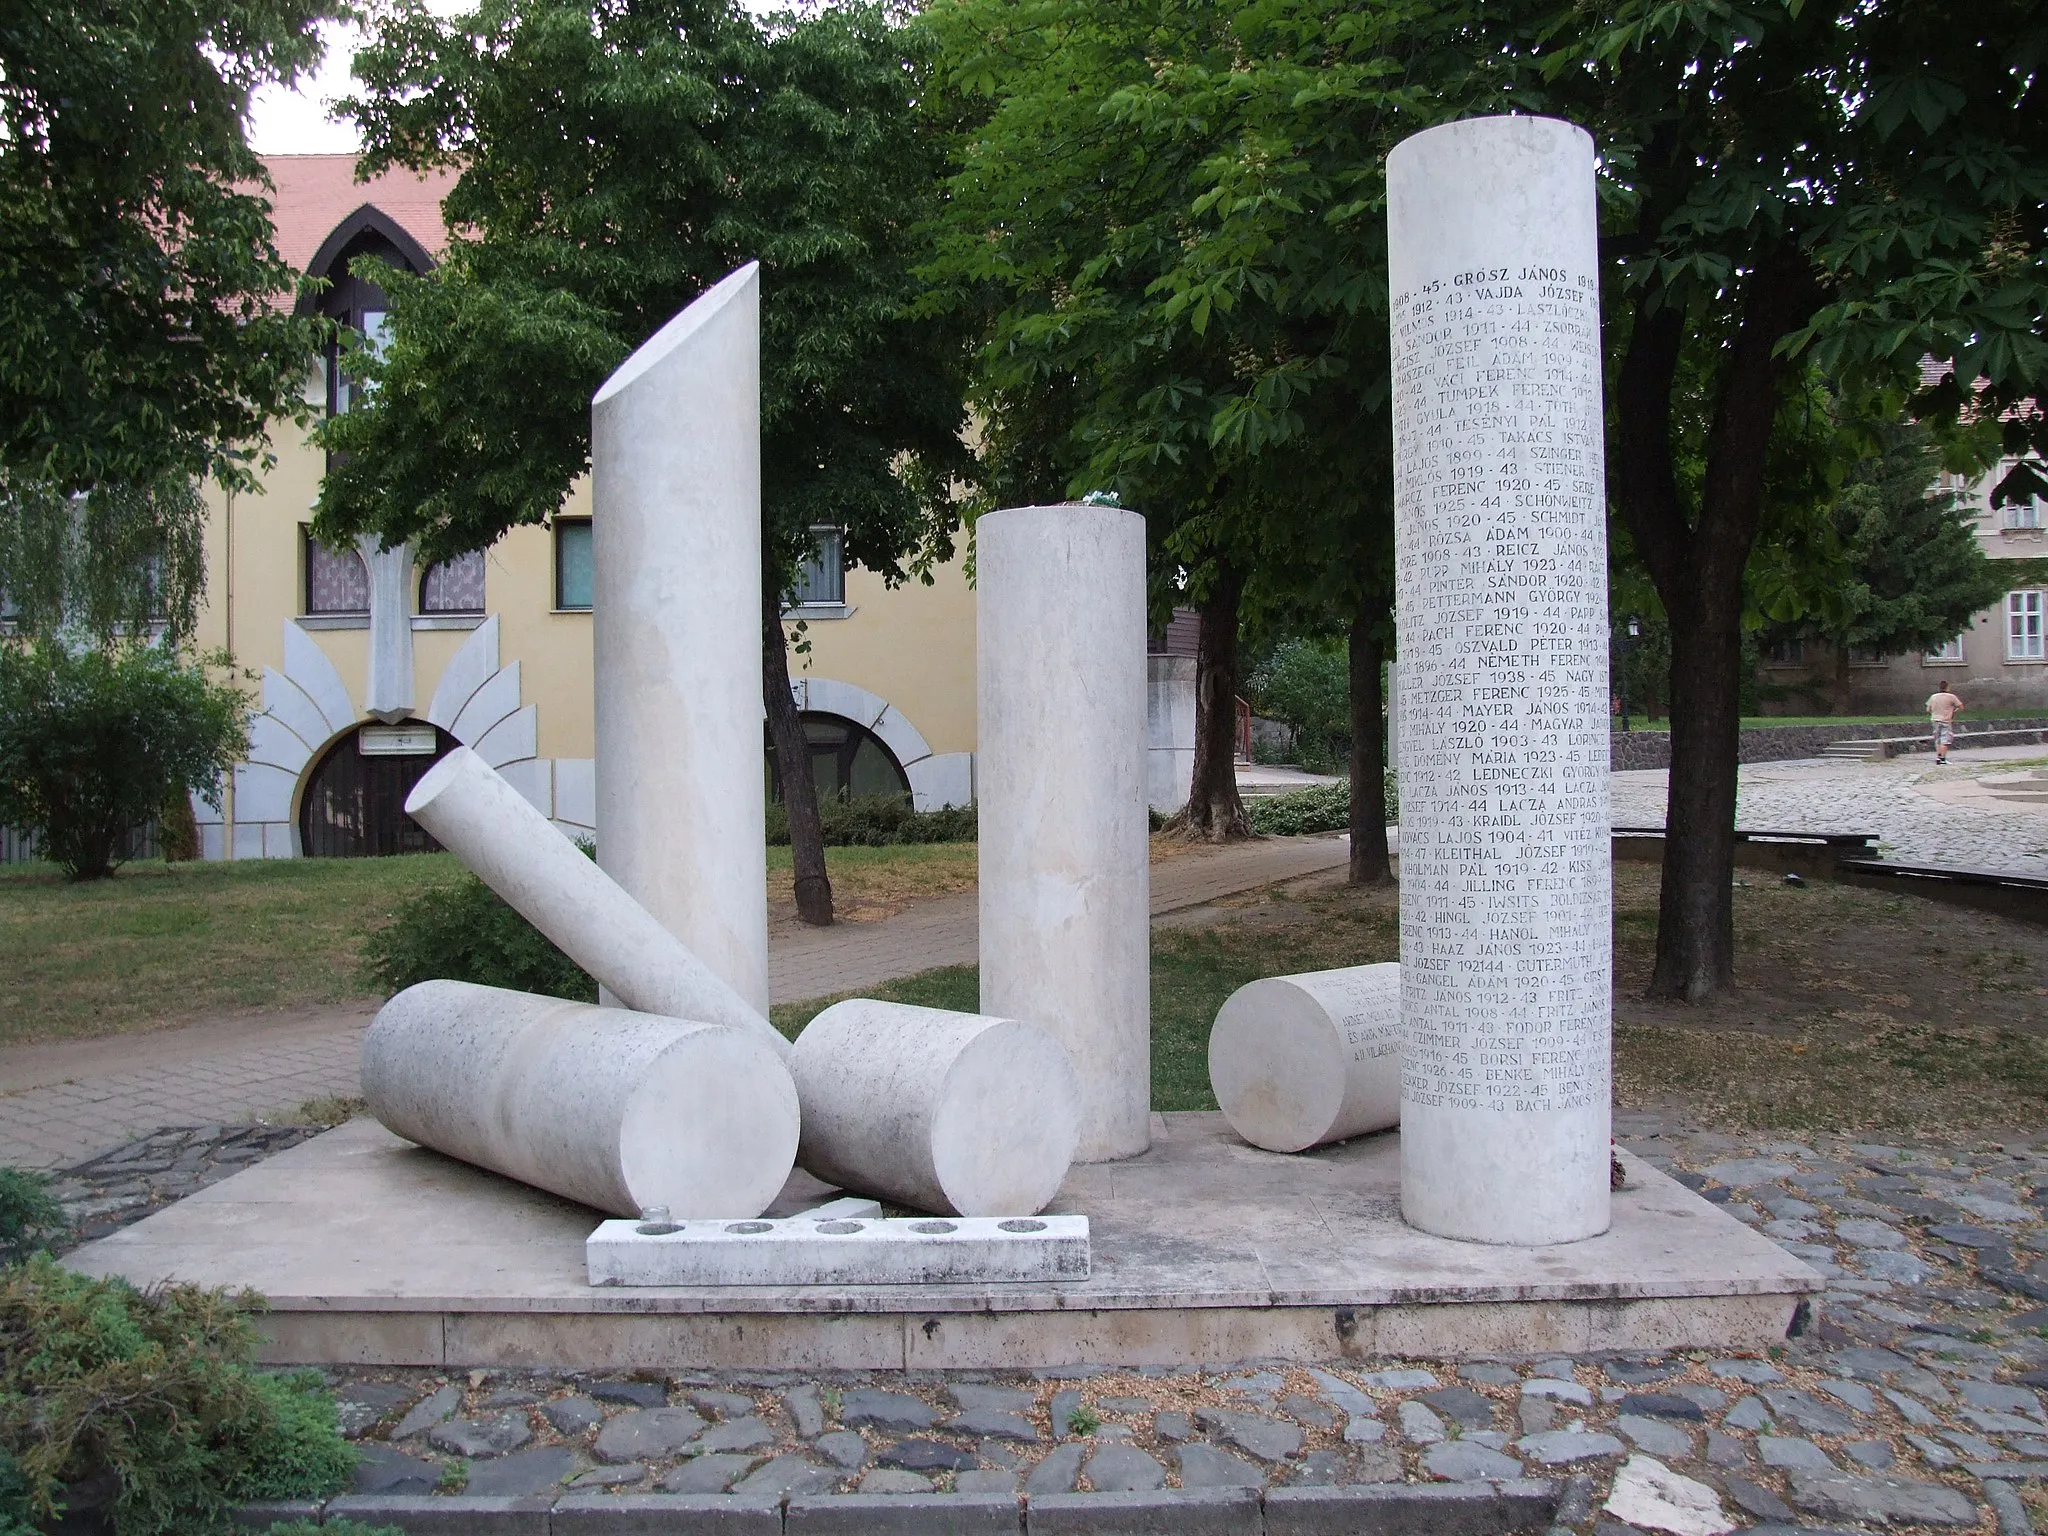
pixel 479 817
pixel 675 451
pixel 954 1113
pixel 621 1111
pixel 1500 544
pixel 1297 1061
pixel 1064 838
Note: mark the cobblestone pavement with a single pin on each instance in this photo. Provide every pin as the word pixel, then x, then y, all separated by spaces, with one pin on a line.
pixel 1830 795
pixel 61 1102
pixel 1912 1399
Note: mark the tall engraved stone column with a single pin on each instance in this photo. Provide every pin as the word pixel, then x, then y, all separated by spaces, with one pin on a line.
pixel 1501 562
pixel 675 451
pixel 1066 892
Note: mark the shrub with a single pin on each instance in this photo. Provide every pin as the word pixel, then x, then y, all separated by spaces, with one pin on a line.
pixel 145 1404
pixel 29 1217
pixel 466 932
pixel 94 742
pixel 1307 684
pixel 878 821
pixel 1320 808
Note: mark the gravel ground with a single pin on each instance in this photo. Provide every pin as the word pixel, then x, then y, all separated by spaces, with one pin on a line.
pixel 1824 795
pixel 1913 1399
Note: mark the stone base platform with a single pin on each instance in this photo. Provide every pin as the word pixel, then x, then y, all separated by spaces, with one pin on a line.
pixel 375 1252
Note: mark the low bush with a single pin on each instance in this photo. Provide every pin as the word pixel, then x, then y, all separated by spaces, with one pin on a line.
pixel 878 821
pixel 466 932
pixel 95 742
pixel 1320 808
pixel 29 1217
pixel 145 1406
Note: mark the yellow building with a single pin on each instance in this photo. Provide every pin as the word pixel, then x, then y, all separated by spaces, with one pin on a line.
pixel 371 667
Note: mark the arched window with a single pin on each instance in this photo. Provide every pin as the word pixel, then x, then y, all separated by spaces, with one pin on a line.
pixel 846 759
pixel 454 586
pixel 354 803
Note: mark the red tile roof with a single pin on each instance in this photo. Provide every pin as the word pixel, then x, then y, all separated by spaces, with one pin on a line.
pixel 316 192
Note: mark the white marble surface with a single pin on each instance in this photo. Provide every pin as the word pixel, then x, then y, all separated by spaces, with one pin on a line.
pixel 676 631
pixel 619 1111
pixel 952 1113
pixel 513 848
pixel 1501 571
pixel 388 684
pixel 358 1222
pixel 841 1250
pixel 1065 877
pixel 1297 1061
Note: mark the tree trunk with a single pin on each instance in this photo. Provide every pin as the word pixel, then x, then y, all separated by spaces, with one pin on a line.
pixel 1695 908
pixel 1214 811
pixel 1697 566
pixel 1842 677
pixel 1369 861
pixel 793 762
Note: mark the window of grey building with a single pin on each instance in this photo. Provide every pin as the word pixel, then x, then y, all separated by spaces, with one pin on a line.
pixel 1786 653
pixel 2023 626
pixel 454 586
pixel 1951 650
pixel 574 576
pixel 337 581
pixel 821 579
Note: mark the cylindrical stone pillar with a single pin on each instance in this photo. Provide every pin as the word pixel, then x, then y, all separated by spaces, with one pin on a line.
pixel 621 1111
pixel 1501 571
pixel 1297 1061
pixel 953 1113
pixel 521 855
pixel 675 454
pixel 1060 780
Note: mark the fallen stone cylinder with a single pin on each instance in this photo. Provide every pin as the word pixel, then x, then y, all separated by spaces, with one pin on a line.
pixel 1066 921
pixel 675 465
pixel 954 1113
pixel 620 1111
pixel 1297 1061
pixel 1500 564
pixel 479 817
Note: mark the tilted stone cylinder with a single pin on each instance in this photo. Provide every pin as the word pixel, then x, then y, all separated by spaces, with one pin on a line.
pixel 954 1113
pixel 620 1111
pixel 550 882
pixel 1297 1061
pixel 675 486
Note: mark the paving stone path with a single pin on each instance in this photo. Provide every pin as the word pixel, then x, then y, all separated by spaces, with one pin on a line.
pixel 1825 795
pixel 1915 1397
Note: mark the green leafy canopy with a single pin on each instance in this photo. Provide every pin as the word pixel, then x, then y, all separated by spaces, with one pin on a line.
pixel 615 161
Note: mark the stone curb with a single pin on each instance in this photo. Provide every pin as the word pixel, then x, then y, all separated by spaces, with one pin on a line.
pixel 1388 1509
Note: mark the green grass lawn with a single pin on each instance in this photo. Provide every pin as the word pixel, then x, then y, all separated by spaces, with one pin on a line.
pixel 160 943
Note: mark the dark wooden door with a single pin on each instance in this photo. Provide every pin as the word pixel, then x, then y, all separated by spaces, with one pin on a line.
pixel 354 805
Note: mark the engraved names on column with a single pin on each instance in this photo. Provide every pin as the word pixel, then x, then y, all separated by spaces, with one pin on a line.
pixel 1504 640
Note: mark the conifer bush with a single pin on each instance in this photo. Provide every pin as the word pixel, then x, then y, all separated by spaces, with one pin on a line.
pixel 144 1408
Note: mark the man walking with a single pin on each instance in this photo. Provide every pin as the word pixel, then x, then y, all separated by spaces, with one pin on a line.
pixel 1942 708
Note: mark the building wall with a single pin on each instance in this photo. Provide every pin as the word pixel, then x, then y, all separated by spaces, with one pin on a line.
pixel 516 682
pixel 1986 676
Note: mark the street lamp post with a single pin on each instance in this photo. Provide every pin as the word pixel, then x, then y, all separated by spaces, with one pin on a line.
pixel 1628 644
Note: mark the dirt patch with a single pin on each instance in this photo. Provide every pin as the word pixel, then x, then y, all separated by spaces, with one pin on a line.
pixel 1853 1010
